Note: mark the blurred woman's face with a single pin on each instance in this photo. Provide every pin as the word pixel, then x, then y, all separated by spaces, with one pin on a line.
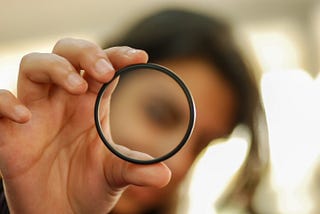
pixel 216 107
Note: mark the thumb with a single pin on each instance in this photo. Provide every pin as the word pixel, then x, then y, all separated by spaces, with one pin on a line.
pixel 120 173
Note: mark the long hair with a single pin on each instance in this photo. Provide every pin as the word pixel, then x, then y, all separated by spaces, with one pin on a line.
pixel 178 33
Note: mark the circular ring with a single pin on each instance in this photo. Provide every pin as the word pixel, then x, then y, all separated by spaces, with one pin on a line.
pixel 192 114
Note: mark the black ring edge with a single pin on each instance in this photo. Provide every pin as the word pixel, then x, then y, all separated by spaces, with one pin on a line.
pixel 192 115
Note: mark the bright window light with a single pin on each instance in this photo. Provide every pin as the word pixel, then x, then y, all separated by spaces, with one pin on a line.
pixel 276 47
pixel 215 170
pixel 292 105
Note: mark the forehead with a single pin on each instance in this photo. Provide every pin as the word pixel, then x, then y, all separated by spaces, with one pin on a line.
pixel 215 98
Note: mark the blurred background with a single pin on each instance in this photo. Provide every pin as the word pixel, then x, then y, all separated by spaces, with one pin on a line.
pixel 281 37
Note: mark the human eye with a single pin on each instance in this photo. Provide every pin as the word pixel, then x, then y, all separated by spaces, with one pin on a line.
pixel 162 114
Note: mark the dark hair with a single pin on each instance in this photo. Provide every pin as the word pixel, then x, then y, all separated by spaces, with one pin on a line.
pixel 178 33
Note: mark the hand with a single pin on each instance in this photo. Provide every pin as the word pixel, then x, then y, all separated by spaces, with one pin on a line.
pixel 51 157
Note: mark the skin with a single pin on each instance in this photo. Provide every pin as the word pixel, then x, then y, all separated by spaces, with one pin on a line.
pixel 149 112
pixel 216 106
pixel 51 157
pixel 56 160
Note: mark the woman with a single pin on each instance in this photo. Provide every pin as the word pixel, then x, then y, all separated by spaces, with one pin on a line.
pixel 202 51
pixel 57 162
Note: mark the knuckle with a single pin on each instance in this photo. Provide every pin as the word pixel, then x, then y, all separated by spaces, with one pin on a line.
pixel 74 43
pixel 26 60
pixel 56 64
pixel 78 48
pixel 90 49
pixel 60 43
pixel 4 93
pixel 89 53
pixel 58 46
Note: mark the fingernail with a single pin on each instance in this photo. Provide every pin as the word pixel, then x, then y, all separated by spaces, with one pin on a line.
pixel 74 79
pixel 103 67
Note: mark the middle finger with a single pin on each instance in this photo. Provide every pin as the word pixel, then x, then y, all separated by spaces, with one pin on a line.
pixel 87 56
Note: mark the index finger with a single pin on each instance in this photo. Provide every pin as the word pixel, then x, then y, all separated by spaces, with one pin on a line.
pixel 124 56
